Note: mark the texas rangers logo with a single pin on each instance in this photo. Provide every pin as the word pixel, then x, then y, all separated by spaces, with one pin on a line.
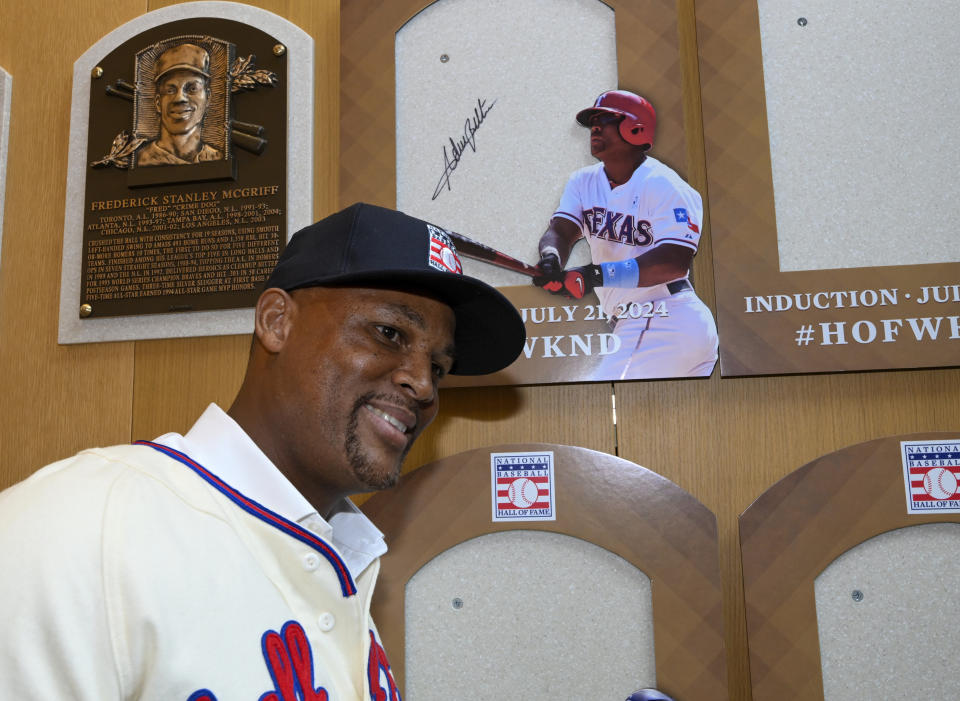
pixel 443 254
pixel 931 473
pixel 522 486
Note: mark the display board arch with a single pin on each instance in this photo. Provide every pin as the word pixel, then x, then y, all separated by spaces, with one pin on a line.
pixel 626 509
pixel 796 529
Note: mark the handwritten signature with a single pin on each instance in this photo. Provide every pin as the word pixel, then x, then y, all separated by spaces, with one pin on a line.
pixel 457 148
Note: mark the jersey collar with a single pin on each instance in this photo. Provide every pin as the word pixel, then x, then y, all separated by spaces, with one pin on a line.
pixel 218 443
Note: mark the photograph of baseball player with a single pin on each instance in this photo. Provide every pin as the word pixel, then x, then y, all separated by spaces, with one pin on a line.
pixel 642 223
pixel 228 562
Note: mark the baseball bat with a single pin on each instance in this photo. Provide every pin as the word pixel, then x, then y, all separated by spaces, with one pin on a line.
pixel 478 251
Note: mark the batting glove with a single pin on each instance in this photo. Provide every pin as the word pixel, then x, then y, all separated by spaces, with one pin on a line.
pixel 580 280
pixel 551 272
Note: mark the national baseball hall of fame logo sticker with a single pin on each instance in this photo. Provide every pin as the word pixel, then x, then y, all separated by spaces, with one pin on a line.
pixel 443 254
pixel 931 473
pixel 522 486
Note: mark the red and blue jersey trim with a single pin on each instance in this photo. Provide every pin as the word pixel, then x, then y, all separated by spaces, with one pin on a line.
pixel 567 215
pixel 679 242
pixel 261 512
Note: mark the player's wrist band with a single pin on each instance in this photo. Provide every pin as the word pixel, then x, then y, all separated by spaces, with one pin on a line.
pixel 549 251
pixel 622 273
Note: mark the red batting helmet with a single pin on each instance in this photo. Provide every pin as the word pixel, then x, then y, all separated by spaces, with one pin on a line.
pixel 639 120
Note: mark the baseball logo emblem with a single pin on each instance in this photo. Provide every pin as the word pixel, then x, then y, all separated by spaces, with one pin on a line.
pixel 523 493
pixel 521 486
pixel 940 483
pixel 449 259
pixel 443 256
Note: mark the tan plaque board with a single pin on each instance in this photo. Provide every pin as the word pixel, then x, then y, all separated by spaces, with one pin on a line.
pixel 803 523
pixel 476 132
pixel 627 510
pixel 827 130
pixel 190 166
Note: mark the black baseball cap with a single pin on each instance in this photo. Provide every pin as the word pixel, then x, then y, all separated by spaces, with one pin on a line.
pixel 366 244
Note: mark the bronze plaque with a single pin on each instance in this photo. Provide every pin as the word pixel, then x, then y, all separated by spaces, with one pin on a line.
pixel 184 204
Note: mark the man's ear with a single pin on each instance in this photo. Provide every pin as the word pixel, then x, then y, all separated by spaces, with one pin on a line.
pixel 275 313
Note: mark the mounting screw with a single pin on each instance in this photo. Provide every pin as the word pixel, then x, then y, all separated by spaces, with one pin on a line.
pixel 444 58
pixel 802 21
pixel 279 49
pixel 96 72
pixel 857 595
pixel 85 311
pixel 458 603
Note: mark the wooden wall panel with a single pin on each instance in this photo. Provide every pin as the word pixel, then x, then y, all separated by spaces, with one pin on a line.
pixel 177 378
pixel 56 399
pixel 725 441
pixel 577 415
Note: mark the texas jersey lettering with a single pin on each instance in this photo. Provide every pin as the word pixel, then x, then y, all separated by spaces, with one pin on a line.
pixel 616 226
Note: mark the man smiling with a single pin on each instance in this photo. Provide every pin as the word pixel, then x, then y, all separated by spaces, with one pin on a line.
pixel 228 563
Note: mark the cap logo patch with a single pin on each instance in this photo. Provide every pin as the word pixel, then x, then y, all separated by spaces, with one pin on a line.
pixel 443 254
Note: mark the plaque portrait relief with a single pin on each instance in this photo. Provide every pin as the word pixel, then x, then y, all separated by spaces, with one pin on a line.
pixel 182 110
pixel 190 164
pixel 181 77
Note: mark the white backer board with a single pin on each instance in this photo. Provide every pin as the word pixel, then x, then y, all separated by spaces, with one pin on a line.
pixel 537 62
pixel 862 104
pixel 899 640
pixel 543 616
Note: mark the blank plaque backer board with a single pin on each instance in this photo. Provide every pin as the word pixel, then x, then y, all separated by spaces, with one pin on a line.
pixel 618 506
pixel 832 245
pixel 498 84
pixel 493 601
pixel 793 532
pixel 298 87
pixel 886 616
pixel 6 83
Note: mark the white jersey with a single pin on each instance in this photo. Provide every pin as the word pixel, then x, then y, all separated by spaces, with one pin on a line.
pixel 134 572
pixel 655 207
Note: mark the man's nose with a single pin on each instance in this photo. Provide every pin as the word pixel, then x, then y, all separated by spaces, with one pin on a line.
pixel 416 376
